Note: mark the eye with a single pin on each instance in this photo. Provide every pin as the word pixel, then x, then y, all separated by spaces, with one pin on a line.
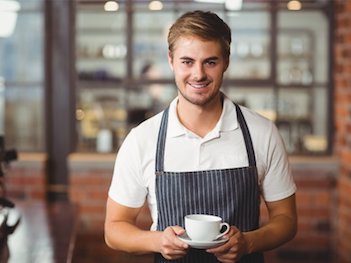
pixel 211 62
pixel 187 62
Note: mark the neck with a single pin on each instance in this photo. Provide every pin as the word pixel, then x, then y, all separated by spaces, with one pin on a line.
pixel 200 119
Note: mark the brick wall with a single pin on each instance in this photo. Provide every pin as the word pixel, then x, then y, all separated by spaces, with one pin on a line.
pixel 316 205
pixel 343 125
pixel 25 177
pixel 89 182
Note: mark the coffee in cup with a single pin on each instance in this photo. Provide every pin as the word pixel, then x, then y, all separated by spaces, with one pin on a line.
pixel 201 227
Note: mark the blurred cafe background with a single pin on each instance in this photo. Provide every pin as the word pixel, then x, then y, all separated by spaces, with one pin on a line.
pixel 77 75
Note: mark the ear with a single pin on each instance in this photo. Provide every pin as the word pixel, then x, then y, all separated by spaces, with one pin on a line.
pixel 170 60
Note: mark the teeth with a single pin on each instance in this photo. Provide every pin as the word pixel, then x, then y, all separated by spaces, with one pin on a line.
pixel 198 86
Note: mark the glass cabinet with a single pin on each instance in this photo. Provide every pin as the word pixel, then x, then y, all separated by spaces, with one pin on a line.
pixel 303 80
pixel 251 42
pixel 22 75
pixel 279 68
pixel 101 45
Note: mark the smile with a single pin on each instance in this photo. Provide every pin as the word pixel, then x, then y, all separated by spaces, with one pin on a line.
pixel 200 85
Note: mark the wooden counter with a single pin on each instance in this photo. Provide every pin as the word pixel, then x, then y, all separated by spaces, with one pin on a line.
pixel 46 232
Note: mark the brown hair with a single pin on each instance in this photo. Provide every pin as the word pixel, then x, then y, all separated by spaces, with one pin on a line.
pixel 206 25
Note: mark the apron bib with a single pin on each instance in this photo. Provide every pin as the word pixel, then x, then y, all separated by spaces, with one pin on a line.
pixel 232 194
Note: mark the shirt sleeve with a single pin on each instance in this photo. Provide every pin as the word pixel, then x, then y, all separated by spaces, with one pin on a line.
pixel 278 182
pixel 127 187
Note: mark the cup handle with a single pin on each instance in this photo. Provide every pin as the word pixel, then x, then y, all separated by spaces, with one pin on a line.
pixel 226 231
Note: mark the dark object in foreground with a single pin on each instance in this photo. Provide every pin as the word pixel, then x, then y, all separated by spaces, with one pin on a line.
pixel 6 228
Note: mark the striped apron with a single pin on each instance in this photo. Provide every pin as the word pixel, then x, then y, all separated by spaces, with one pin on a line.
pixel 232 194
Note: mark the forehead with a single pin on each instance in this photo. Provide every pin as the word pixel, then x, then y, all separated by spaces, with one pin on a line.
pixel 196 46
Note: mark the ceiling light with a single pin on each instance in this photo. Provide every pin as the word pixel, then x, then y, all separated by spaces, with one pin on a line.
pixel 233 5
pixel 111 6
pixel 294 5
pixel 8 17
pixel 155 5
pixel 9 6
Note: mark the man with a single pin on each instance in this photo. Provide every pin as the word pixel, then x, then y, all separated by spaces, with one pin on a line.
pixel 203 154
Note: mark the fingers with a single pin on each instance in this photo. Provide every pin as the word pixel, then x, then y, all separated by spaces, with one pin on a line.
pixel 232 250
pixel 178 230
pixel 172 233
pixel 171 246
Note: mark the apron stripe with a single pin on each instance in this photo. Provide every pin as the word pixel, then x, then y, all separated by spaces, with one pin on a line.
pixel 232 194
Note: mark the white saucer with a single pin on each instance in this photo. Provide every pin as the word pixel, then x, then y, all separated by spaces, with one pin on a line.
pixel 202 244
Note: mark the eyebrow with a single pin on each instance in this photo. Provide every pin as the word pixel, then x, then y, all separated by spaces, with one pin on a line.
pixel 207 59
pixel 186 58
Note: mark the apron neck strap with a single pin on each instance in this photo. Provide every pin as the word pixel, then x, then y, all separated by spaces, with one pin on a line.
pixel 161 143
pixel 247 137
pixel 162 135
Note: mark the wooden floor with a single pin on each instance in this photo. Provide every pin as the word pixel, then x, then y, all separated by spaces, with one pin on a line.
pixel 44 234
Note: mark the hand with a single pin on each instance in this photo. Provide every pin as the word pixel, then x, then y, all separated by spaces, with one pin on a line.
pixel 171 246
pixel 232 250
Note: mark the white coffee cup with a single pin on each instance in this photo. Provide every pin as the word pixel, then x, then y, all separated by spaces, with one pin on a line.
pixel 201 227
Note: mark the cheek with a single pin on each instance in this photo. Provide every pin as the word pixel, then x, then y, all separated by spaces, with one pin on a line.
pixel 218 74
pixel 180 72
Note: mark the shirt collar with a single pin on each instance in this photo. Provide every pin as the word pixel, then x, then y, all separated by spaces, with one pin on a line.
pixel 227 122
pixel 175 128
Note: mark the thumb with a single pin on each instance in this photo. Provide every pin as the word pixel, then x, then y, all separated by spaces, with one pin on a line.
pixel 178 230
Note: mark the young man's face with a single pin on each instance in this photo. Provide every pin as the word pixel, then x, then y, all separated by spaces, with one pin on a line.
pixel 198 67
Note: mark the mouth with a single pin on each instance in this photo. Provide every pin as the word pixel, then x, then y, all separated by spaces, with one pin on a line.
pixel 199 85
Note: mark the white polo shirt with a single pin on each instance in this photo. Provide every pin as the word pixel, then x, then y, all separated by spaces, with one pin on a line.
pixel 224 147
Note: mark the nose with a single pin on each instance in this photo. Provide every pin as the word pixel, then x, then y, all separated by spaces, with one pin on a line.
pixel 199 72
